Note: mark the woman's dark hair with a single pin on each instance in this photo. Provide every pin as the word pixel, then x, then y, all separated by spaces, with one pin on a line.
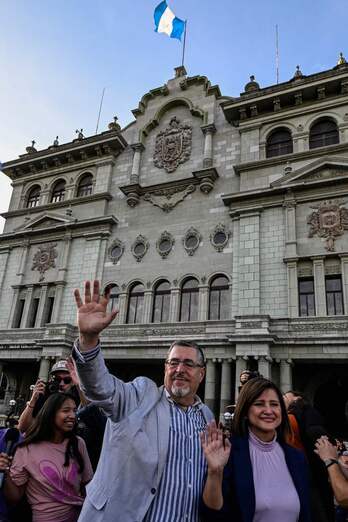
pixel 42 429
pixel 248 395
pixel 300 402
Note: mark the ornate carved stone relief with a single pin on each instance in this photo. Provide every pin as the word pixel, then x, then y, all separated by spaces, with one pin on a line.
pixel 191 240
pixel 219 237
pixel 140 247
pixel 165 244
pixel 44 259
pixel 115 251
pixel 173 146
pixel 167 199
pixel 329 221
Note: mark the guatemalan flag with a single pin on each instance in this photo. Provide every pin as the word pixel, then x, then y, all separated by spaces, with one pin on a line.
pixel 167 22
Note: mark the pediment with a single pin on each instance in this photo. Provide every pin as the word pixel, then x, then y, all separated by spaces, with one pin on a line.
pixel 324 169
pixel 46 220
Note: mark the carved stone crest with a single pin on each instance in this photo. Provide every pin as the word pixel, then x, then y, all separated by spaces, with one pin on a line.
pixel 167 199
pixel 165 244
pixel 173 146
pixel 44 259
pixel 329 220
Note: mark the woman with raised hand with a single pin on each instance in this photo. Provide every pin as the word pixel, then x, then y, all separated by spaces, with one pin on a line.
pixel 51 466
pixel 256 476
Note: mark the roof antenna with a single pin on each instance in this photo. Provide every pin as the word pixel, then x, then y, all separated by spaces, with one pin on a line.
pixel 277 53
pixel 100 108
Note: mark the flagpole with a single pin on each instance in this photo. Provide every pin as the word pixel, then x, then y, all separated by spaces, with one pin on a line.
pixel 184 45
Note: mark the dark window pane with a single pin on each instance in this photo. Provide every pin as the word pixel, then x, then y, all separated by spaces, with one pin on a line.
pixel 33 314
pixel 34 197
pixel 323 133
pixel 19 313
pixel 278 143
pixel 191 241
pixel 161 304
pixel 306 297
pixel 334 295
pixel 85 186
pixel 220 238
pixel 58 193
pixel 135 304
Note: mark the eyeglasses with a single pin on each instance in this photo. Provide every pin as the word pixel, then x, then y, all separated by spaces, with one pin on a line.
pixel 66 380
pixel 188 363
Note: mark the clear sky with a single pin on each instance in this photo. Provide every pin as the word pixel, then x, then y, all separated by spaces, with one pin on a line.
pixel 56 56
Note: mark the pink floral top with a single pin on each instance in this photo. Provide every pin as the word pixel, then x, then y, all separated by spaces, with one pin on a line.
pixel 53 490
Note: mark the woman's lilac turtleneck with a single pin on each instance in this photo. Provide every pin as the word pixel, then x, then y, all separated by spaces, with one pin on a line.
pixel 276 498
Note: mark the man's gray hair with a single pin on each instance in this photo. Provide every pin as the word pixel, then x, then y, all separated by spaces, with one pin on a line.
pixel 189 344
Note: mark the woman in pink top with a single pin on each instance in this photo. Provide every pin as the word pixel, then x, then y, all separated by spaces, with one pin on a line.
pixel 51 466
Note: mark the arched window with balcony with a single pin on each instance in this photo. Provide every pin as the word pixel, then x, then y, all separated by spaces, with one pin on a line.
pixel 189 300
pixel 33 197
pixel 58 191
pixel 114 292
pixel 161 303
pixel 219 299
pixel 85 187
pixel 279 142
pixel 323 132
pixel 135 304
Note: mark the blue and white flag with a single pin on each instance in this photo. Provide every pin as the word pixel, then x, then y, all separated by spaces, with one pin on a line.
pixel 167 22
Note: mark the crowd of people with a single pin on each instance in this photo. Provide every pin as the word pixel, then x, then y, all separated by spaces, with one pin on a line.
pixel 89 447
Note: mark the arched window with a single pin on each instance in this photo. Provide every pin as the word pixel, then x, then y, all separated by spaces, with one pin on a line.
pixel 219 299
pixel 33 198
pixel 135 304
pixel 279 142
pixel 189 300
pixel 58 192
pixel 113 296
pixel 322 133
pixel 161 303
pixel 85 187
pixel 3 386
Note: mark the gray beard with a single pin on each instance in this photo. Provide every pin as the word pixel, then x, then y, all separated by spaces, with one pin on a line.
pixel 179 392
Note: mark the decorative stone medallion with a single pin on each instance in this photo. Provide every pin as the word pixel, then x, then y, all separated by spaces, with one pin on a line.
pixel 165 244
pixel 191 241
pixel 173 146
pixel 44 259
pixel 330 221
pixel 219 237
pixel 140 247
pixel 115 251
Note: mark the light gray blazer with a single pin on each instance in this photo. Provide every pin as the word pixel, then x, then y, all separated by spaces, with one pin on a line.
pixel 135 444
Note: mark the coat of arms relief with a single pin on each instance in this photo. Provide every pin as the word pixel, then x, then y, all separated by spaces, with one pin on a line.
pixel 173 146
pixel 329 220
pixel 44 259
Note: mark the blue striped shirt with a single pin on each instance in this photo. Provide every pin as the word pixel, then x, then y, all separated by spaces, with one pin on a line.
pixel 178 495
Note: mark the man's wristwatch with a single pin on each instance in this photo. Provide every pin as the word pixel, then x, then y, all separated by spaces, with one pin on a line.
pixel 329 462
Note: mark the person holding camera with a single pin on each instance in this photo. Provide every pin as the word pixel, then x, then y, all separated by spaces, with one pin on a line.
pixel 62 379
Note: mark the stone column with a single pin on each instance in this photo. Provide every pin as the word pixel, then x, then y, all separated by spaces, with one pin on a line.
pixel 23 261
pixel 147 306
pixel 208 131
pixel 27 307
pixel 292 289
pixel 210 377
pixel 344 266
pixel 285 375
pixel 174 305
pixel 264 366
pixel 226 390
pixel 203 303
pixel 290 230
pixel 44 368
pixel 58 296
pixel 4 257
pixel 101 257
pixel 64 257
pixel 102 182
pixel 137 148
pixel 13 308
pixel 319 286
pixel 122 307
pixel 42 305
pixel 241 364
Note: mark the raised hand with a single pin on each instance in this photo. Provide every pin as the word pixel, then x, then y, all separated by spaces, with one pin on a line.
pixel 325 449
pixel 92 316
pixel 216 448
pixel 72 370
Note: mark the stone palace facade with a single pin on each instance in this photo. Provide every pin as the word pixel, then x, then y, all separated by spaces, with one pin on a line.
pixel 218 219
